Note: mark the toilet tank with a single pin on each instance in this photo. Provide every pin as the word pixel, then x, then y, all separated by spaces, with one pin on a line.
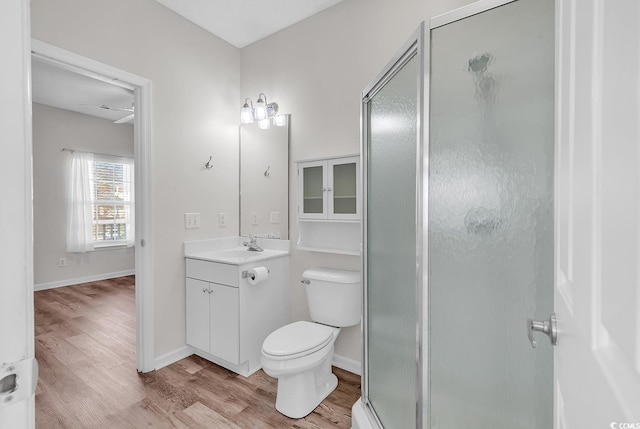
pixel 334 296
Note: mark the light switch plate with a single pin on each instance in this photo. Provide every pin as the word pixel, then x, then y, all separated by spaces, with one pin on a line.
pixel 192 220
pixel 222 219
pixel 274 217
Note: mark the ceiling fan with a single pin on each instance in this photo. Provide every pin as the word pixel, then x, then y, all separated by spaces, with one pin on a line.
pixel 123 120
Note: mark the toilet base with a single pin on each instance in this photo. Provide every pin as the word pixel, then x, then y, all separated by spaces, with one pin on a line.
pixel 299 394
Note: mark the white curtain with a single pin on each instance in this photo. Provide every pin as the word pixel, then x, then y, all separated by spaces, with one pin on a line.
pixel 131 233
pixel 79 205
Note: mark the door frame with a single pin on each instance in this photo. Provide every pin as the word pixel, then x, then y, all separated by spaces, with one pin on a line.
pixel 417 46
pixel 16 220
pixel 142 88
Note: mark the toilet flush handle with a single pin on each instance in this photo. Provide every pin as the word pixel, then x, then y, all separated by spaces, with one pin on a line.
pixel 305 282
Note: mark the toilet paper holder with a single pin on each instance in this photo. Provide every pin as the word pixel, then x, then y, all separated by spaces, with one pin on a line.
pixel 245 274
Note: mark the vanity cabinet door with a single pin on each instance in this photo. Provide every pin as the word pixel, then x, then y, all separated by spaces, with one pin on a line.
pixel 225 323
pixel 197 299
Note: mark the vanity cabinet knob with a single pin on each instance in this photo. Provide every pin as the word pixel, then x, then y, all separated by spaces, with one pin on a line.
pixel 205 290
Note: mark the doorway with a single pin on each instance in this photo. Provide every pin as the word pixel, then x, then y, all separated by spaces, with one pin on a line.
pixel 141 89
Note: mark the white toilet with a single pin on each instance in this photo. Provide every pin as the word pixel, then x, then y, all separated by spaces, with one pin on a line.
pixel 299 354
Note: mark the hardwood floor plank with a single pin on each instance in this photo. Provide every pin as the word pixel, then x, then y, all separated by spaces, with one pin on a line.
pixel 56 343
pixel 205 417
pixel 85 345
pixel 95 350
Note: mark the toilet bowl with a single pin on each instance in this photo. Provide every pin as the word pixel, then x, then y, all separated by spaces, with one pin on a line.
pixel 304 373
pixel 299 354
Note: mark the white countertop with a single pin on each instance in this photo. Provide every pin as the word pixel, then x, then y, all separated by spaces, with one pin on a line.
pixel 231 251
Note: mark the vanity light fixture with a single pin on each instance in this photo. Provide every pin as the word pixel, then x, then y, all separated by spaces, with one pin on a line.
pixel 246 114
pixel 264 124
pixel 262 112
pixel 280 120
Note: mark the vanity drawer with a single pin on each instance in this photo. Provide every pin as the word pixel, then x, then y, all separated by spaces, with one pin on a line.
pixel 213 272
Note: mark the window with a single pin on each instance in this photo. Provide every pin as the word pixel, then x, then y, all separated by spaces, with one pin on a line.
pixel 100 202
pixel 112 202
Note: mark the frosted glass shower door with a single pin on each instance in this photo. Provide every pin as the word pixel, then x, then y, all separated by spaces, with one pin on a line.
pixel 491 146
pixel 391 378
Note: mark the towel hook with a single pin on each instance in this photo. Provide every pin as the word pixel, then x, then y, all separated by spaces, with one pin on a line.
pixel 209 165
pixel 266 172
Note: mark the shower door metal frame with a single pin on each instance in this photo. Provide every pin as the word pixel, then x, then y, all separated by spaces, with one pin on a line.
pixel 418 45
pixel 415 47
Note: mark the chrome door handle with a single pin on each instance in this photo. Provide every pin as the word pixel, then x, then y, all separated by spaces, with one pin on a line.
pixel 548 327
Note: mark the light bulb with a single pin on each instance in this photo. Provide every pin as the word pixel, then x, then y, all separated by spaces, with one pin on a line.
pixel 264 124
pixel 260 112
pixel 280 120
pixel 246 114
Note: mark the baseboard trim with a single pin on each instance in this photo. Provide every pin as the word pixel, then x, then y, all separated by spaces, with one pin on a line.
pixel 347 364
pixel 87 279
pixel 173 356
pixel 166 359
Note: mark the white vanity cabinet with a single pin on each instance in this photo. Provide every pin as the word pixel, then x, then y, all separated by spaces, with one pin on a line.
pixel 228 318
pixel 213 319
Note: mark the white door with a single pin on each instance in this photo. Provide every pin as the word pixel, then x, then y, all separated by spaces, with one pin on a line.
pixel 16 260
pixel 597 294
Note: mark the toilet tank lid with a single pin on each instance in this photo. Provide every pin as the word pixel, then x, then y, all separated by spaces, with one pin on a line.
pixel 331 275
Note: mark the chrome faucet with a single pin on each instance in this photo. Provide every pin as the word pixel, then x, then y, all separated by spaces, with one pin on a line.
pixel 252 244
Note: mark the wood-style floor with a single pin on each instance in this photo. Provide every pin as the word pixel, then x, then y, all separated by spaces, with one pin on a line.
pixel 85 344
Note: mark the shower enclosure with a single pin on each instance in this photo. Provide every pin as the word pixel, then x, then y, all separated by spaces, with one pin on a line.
pixel 458 168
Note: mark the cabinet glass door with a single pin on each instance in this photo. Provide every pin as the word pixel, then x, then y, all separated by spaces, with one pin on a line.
pixel 342 188
pixel 313 188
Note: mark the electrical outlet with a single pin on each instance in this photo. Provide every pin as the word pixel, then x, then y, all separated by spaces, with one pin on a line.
pixel 274 217
pixel 254 218
pixel 192 220
pixel 222 220
pixel 62 262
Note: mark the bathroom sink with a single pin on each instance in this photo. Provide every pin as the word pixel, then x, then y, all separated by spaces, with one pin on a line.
pixel 237 256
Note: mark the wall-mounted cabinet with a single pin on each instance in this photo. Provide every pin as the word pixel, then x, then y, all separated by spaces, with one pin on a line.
pixel 329 189
pixel 329 205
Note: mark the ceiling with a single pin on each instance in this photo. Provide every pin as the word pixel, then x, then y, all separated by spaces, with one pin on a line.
pixel 242 22
pixel 239 22
pixel 56 86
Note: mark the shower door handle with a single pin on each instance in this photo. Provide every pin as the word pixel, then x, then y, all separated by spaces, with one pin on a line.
pixel 548 327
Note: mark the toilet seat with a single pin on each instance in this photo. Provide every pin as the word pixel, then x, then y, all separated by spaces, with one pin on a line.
pixel 296 340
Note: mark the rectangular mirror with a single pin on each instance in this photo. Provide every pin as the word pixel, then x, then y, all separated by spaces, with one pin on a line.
pixel 264 181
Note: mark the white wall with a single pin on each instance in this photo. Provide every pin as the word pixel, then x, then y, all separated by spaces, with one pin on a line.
pixel 196 78
pixel 54 129
pixel 316 70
